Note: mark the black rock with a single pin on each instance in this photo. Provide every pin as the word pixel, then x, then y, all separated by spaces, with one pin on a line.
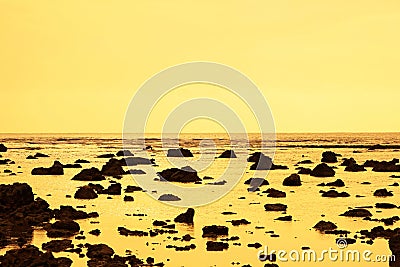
pixel 186 217
pixel 304 170
pixel 106 156
pixel 357 213
pixel 287 218
pixel 240 222
pixel 394 246
pixel 275 207
pixel 334 194
pixel 216 246
pixel 263 162
pixel 64 228
pixel 92 174
pixel 125 153
pixel 355 168
pixel 128 198
pixel 215 231
pixel 132 188
pixel 324 226
pixel 85 192
pixel 99 251
pixel 136 171
pixel 179 152
pixel 112 168
pixel 322 170
pixel 40 155
pixel 113 189
pixel 337 183
pixel 3 148
pixel 31 256
pixel 133 161
pixel 79 161
pixel 228 154
pixel 292 180
pixel 348 162
pixel 56 169
pixel 329 157
pixel 57 245
pixel 385 206
pixel 383 193
pixel 169 197
pixel 183 175
pixel 274 193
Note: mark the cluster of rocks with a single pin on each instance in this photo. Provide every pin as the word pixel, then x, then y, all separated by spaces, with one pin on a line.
pixel 91 191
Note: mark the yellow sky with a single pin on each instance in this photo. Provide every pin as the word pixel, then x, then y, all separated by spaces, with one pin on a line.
pixel 73 66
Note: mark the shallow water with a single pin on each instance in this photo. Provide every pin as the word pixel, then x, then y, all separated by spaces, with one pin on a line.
pixel 304 203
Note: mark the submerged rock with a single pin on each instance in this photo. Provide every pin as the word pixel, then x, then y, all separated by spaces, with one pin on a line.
pixel 337 183
pixel 304 170
pixel 92 174
pixel 64 228
pixel 99 251
pixel 323 170
pixel 240 222
pixel 228 154
pixel 329 157
pixel 216 246
pixel 274 193
pixel 292 180
pixel 69 213
pixel 113 189
pixel 383 193
pixel 136 171
pixel 183 175
pixel 348 162
pixel 128 198
pixel 275 207
pixel 186 217
pixel 287 218
pixel 385 206
pixel 324 226
pixel 215 231
pixel 357 213
pixel 85 192
pixel 334 194
pixel 169 197
pixel 256 182
pixel 125 153
pixel 355 168
pixel 179 152
pixel 106 156
pixel 133 161
pixel 306 161
pixel 79 161
pixel 132 188
pixel 56 169
pixel 40 155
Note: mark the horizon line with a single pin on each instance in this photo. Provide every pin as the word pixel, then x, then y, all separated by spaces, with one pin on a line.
pixel 326 132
